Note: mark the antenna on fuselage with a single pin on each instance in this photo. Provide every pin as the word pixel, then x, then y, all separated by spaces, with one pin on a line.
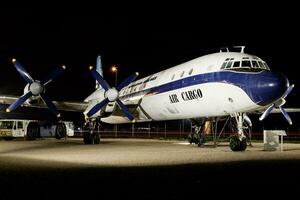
pixel 241 47
pixel 224 49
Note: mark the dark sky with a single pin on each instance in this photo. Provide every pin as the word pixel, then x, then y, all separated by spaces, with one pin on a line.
pixel 144 40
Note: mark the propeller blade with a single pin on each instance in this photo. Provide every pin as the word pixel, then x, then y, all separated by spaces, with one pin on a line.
pixel 56 72
pixel 247 120
pixel 286 115
pixel 287 92
pixel 127 81
pixel 50 105
pixel 22 71
pixel 97 107
pixel 99 78
pixel 19 102
pixel 125 110
pixel 267 112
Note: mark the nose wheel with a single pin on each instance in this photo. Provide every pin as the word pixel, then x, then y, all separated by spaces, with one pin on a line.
pixel 236 144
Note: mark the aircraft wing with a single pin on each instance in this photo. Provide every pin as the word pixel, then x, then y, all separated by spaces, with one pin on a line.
pixel 289 110
pixel 63 106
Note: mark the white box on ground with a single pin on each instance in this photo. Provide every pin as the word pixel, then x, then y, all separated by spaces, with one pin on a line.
pixel 271 139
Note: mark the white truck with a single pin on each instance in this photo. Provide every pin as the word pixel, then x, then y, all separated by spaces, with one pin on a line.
pixel 32 129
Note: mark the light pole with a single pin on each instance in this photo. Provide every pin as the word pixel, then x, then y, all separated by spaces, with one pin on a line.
pixel 115 70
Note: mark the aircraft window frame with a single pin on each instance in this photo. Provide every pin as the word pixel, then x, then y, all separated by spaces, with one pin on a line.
pixel 266 65
pixel 244 65
pixel 191 71
pixel 261 65
pixel 229 64
pixel 236 62
pixel 227 59
pixel 254 66
pixel 231 58
pixel 173 76
pixel 153 78
pixel 223 65
pixel 182 73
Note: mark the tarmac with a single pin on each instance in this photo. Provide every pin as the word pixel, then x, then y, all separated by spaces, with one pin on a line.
pixel 144 168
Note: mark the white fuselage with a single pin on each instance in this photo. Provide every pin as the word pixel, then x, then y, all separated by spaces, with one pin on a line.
pixel 198 88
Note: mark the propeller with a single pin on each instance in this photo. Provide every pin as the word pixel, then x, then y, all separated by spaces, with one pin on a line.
pixel 111 94
pixel 279 105
pixel 35 88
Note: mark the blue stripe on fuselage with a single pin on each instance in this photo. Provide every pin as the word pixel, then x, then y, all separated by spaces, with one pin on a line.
pixel 255 85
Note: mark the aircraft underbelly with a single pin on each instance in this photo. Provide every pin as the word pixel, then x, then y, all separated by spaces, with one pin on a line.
pixel 204 100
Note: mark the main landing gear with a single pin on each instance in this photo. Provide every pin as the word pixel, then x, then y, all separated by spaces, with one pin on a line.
pixel 238 142
pixel 92 136
pixel 239 123
pixel 197 136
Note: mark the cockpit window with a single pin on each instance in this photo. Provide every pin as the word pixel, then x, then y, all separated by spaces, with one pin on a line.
pixel 246 63
pixel 267 67
pixel 228 64
pixel 261 65
pixel 224 65
pixel 255 64
pixel 236 64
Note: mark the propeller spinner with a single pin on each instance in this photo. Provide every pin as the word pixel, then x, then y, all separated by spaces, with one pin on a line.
pixel 111 94
pixel 35 87
pixel 279 105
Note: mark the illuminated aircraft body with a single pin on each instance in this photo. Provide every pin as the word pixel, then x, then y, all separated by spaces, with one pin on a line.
pixel 215 85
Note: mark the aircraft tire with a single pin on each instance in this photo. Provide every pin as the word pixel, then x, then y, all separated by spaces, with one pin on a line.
pixel 97 138
pixel 243 145
pixel 234 143
pixel 88 138
pixel 190 138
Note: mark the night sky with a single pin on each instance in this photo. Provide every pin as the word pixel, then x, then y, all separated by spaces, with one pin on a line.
pixel 147 41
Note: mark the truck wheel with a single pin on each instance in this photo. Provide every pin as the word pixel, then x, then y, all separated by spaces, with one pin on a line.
pixel 32 131
pixel 60 131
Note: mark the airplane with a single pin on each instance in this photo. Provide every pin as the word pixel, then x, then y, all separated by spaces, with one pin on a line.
pixel 215 85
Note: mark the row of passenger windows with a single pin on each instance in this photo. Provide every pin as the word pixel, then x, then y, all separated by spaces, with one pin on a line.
pixel 137 86
pixel 245 64
pixel 182 74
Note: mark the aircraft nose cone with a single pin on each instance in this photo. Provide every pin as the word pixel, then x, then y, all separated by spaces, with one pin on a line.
pixel 269 87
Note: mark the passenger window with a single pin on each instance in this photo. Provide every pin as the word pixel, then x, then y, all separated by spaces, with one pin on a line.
pixel 227 59
pixel 246 63
pixel 254 64
pixel 223 65
pixel 191 71
pixel 236 64
pixel 229 64
pixel 182 73
pixel 20 125
pixel 173 77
